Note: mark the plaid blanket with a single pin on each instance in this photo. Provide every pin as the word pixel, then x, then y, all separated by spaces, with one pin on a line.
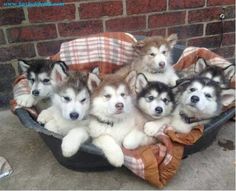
pixel 109 51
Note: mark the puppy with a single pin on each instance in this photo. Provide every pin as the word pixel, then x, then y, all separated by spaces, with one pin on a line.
pixel 153 59
pixel 221 75
pixel 70 101
pixel 38 76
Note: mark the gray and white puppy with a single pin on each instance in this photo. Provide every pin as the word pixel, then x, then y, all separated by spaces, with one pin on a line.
pixel 221 75
pixel 38 76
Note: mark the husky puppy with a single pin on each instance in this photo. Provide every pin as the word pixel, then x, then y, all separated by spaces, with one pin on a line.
pixel 112 113
pixel 38 75
pixel 70 101
pixel 216 73
pixel 155 99
pixel 153 59
pixel 200 100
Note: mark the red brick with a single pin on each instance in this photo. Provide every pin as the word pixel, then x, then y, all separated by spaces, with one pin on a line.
pixel 184 4
pixel 95 10
pixel 228 39
pixel 80 28
pixel 2 38
pixel 220 2
pixel 45 14
pixel 166 19
pixel 187 31
pixel 16 52
pixel 31 33
pixel 229 12
pixel 11 16
pixel 226 52
pixel 126 24
pixel 49 48
pixel 203 15
pixel 145 6
pixel 159 32
pixel 208 42
pixel 215 28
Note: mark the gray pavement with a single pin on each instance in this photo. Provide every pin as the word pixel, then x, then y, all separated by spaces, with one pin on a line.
pixel 36 168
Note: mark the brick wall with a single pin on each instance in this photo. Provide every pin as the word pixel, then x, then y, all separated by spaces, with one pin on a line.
pixel 37 32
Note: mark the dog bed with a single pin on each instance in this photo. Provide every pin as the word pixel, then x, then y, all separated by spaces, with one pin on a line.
pixel 89 157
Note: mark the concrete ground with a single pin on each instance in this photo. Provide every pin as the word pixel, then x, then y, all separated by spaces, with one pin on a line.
pixel 35 167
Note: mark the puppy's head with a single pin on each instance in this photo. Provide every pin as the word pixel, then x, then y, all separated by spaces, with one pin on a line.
pixel 155 53
pixel 112 96
pixel 71 95
pixel 204 98
pixel 154 98
pixel 221 75
pixel 38 75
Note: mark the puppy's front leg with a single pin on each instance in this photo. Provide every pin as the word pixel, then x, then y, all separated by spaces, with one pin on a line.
pixel 152 128
pixel 46 115
pixel 134 139
pixel 111 149
pixel 72 141
pixel 27 100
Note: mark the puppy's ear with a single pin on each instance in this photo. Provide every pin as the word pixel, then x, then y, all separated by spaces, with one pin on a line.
pixel 181 85
pixel 93 81
pixel 141 82
pixel 172 40
pixel 200 65
pixel 229 71
pixel 138 46
pixel 131 78
pixel 24 66
pixel 59 73
pixel 228 96
pixel 96 71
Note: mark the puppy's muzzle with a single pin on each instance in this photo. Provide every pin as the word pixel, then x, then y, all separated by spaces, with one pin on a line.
pixel 195 99
pixel 158 110
pixel 35 93
pixel 74 115
pixel 119 106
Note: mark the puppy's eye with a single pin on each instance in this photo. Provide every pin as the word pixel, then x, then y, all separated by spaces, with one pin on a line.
pixel 192 89
pixel 163 52
pixel 108 96
pixel 46 80
pixel 150 98
pixel 152 54
pixel 66 98
pixel 165 100
pixel 83 100
pixel 208 95
pixel 122 94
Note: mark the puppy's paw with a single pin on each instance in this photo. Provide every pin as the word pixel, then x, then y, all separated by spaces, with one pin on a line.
pixel 69 147
pixel 151 129
pixel 25 100
pixel 116 158
pixel 51 126
pixel 44 117
pixel 130 143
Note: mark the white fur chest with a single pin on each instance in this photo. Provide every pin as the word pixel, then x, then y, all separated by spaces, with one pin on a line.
pixel 118 131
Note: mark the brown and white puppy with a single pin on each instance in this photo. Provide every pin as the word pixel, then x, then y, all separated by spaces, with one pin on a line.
pixel 153 59
pixel 113 116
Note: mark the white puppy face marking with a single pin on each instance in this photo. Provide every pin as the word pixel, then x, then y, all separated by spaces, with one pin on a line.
pixel 156 105
pixel 157 60
pixel 73 106
pixel 200 99
pixel 40 84
pixel 113 102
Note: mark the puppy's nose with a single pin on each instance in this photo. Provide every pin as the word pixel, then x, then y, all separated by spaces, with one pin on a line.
pixel 74 115
pixel 162 64
pixel 35 92
pixel 194 99
pixel 119 106
pixel 158 110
